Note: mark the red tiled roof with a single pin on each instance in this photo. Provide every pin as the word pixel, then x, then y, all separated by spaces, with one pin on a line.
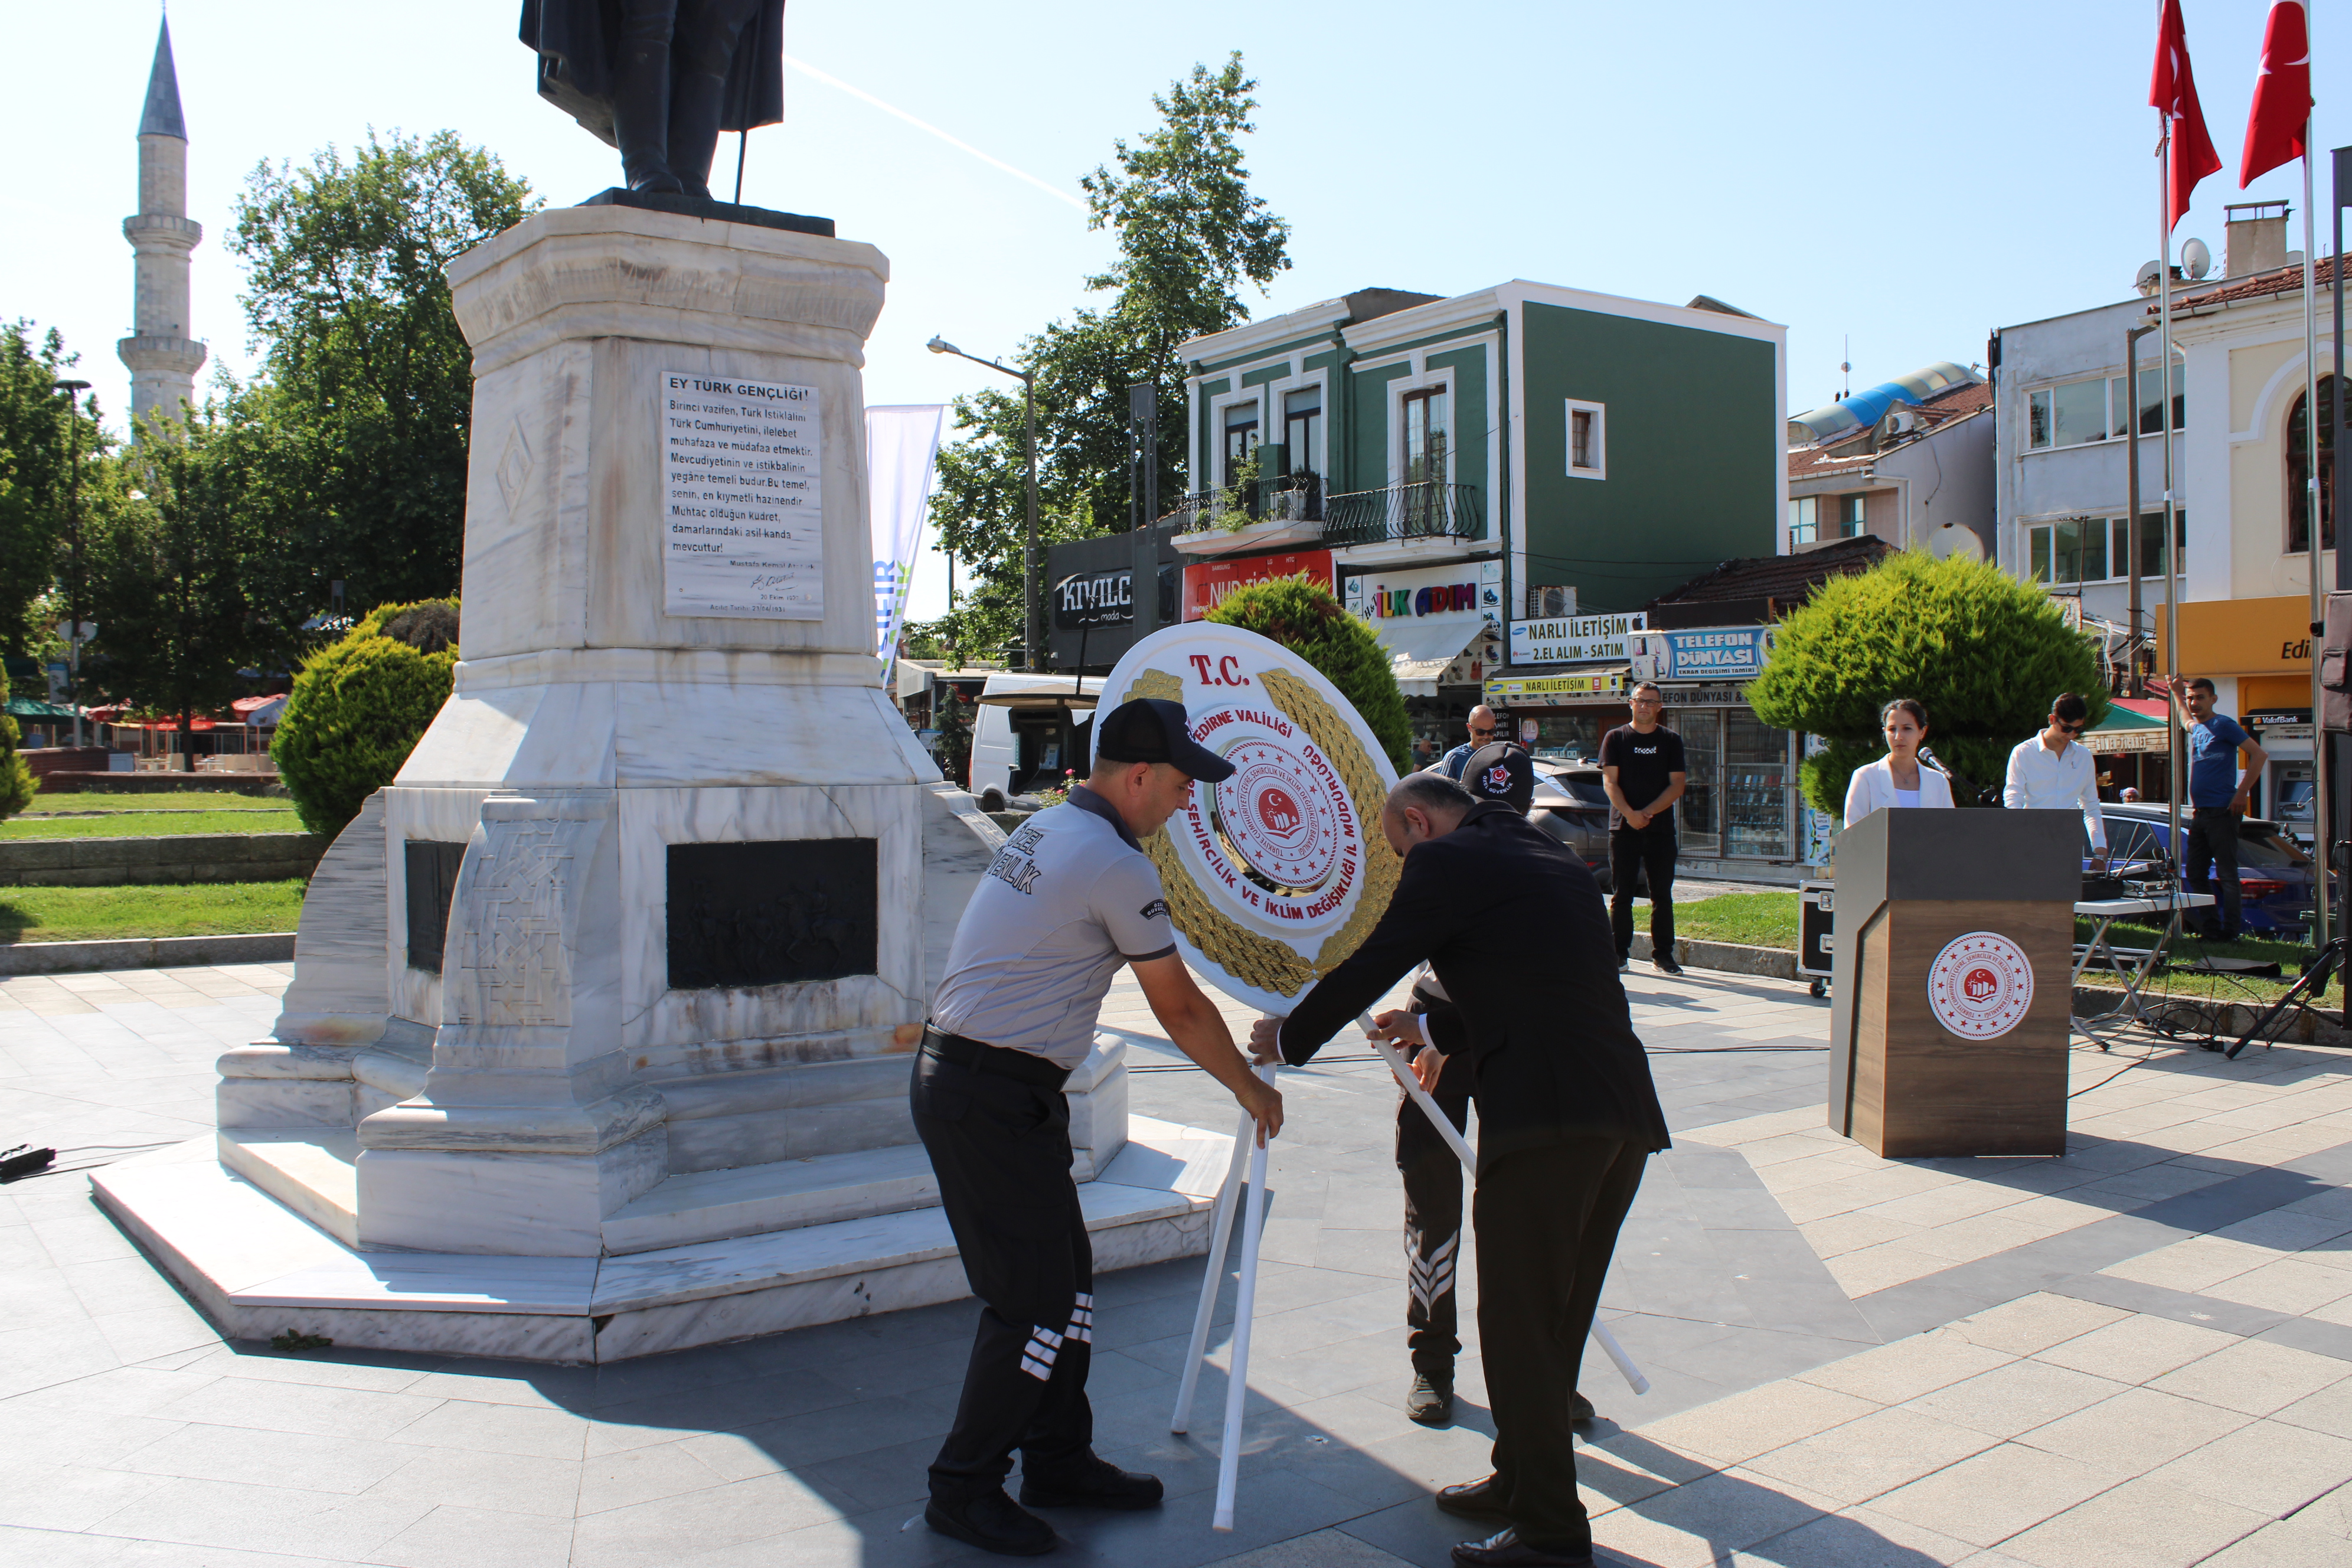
pixel 2257 286
pixel 1784 579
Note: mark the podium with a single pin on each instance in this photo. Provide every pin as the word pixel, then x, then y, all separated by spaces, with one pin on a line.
pixel 1954 977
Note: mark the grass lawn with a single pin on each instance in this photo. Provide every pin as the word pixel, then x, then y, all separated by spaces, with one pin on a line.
pixel 149 823
pixel 95 914
pixel 1753 920
pixel 162 802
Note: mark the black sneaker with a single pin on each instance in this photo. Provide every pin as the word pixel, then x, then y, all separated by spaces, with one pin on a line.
pixel 1097 1483
pixel 993 1522
pixel 1666 962
pixel 1580 1409
pixel 1430 1403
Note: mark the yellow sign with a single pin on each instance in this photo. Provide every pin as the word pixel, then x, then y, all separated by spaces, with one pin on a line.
pixel 2242 636
pixel 1508 688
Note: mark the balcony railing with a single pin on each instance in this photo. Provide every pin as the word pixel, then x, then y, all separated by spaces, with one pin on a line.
pixel 1288 500
pixel 1428 510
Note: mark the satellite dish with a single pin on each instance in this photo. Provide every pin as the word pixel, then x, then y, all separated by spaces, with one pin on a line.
pixel 2195 259
pixel 2149 272
pixel 1950 541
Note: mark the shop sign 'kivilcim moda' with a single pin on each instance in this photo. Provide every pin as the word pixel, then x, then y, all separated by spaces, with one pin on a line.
pixel 1207 584
pixel 1094 599
pixel 1709 653
pixel 1574 639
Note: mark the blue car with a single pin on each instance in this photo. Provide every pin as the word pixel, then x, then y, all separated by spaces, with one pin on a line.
pixel 2276 875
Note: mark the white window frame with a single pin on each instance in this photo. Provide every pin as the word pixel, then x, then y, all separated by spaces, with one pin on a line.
pixel 2108 426
pixel 1434 378
pixel 2118 562
pixel 1255 396
pixel 1599 412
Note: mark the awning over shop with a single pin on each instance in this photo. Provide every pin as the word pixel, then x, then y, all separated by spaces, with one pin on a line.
pixel 1419 651
pixel 2124 730
pixel 33 707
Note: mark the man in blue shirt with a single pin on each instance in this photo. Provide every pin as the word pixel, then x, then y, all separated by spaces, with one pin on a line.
pixel 1482 733
pixel 2218 797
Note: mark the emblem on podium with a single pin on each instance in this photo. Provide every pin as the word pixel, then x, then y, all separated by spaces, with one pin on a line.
pixel 1980 985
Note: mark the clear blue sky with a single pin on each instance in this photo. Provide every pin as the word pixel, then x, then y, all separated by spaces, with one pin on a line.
pixel 1908 176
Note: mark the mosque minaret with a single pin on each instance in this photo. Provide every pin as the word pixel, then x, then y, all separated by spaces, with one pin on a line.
pixel 163 358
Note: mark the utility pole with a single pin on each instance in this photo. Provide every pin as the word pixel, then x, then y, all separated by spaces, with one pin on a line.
pixel 1032 650
pixel 73 389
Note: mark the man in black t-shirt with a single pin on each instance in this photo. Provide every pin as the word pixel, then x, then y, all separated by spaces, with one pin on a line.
pixel 1641 768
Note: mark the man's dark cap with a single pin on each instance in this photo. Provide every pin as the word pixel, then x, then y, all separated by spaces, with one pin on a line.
pixel 1155 729
pixel 1501 770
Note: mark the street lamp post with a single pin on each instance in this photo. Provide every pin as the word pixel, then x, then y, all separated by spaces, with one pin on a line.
pixel 1030 652
pixel 73 389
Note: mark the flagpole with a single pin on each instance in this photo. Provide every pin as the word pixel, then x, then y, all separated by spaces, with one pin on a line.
pixel 2319 921
pixel 2171 524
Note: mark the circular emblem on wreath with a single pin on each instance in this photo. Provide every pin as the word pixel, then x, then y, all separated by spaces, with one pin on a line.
pixel 1281 820
pixel 1980 985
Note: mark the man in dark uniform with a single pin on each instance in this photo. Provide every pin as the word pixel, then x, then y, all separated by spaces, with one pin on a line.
pixel 1071 897
pixel 1513 926
pixel 1502 770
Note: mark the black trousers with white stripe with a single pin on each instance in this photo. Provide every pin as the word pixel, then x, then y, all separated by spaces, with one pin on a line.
pixel 1432 1231
pixel 1002 1153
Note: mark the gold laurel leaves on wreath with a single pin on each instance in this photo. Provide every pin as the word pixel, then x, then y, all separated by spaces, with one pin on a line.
pixel 1246 955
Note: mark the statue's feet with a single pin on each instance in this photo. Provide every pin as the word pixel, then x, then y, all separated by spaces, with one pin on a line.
pixel 657 181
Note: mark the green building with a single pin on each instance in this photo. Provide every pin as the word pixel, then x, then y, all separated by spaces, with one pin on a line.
pixel 1492 478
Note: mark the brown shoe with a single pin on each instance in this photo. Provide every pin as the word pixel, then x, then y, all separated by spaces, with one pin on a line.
pixel 1473 1500
pixel 1507 1551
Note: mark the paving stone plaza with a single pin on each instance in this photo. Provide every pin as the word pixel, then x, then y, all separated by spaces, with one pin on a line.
pixel 2139 1354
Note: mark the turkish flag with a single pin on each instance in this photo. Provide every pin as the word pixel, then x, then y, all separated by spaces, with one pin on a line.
pixel 2174 93
pixel 2282 94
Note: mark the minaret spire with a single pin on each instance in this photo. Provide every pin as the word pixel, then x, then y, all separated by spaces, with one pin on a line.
pixel 163 358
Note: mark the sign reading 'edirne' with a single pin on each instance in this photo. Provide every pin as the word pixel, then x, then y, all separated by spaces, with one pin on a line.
pixel 742 498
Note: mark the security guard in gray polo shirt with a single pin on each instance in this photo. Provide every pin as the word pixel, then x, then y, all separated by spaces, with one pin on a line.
pixel 1071 897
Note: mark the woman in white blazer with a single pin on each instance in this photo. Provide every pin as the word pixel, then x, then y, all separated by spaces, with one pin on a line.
pixel 1898 778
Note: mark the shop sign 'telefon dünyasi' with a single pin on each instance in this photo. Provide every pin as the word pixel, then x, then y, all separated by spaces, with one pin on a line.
pixel 1706 653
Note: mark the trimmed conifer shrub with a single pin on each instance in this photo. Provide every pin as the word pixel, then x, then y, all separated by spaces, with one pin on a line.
pixel 1982 651
pixel 359 707
pixel 16 785
pixel 1307 619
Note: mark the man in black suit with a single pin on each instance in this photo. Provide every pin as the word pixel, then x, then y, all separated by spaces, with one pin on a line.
pixel 1512 925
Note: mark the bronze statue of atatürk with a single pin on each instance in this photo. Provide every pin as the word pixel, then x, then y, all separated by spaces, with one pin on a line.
pixel 661 79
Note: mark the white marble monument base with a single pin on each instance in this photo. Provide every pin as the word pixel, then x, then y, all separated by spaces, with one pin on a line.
pixel 258 1267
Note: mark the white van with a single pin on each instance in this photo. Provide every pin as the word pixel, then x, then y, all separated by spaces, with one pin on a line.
pixel 1030 728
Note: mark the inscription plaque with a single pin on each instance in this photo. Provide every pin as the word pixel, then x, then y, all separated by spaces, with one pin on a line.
pixel 772 912
pixel 742 498
pixel 431 871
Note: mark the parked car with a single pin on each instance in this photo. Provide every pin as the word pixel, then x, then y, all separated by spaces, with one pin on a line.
pixel 2276 874
pixel 1572 805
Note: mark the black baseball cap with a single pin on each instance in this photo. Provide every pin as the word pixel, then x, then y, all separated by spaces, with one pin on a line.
pixel 1155 729
pixel 1501 770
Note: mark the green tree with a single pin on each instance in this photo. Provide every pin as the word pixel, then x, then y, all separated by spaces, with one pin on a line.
pixel 192 575
pixel 16 784
pixel 1982 651
pixel 1304 618
pixel 360 705
pixel 362 361
pixel 1189 234
pixel 37 439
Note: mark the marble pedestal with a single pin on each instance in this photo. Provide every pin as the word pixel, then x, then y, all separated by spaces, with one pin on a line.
pixel 632 957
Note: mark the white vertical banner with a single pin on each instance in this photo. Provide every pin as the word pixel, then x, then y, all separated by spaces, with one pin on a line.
pixel 902 450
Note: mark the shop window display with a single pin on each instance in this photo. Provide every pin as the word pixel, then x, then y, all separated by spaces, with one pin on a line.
pixel 1756 780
